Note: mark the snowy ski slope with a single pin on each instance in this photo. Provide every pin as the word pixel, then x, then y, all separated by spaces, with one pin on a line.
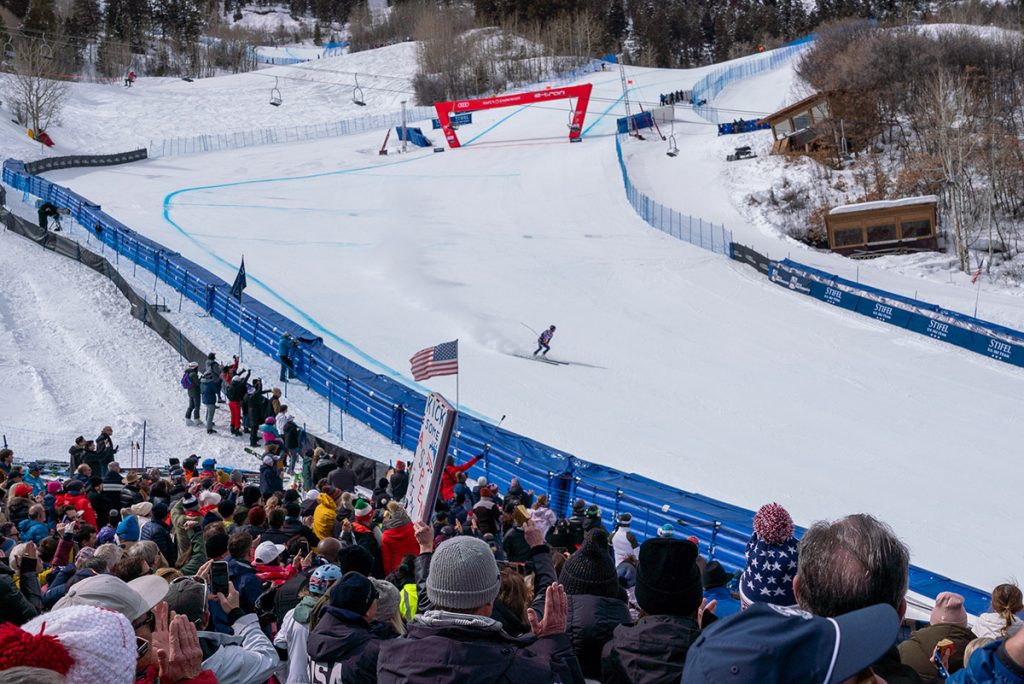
pixel 686 367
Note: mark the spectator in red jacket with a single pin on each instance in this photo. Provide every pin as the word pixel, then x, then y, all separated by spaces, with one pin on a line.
pixel 74 497
pixel 451 476
pixel 399 538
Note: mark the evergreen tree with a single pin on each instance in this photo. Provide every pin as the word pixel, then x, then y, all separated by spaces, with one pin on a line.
pixel 615 23
pixel 40 19
pixel 85 19
pixel 318 36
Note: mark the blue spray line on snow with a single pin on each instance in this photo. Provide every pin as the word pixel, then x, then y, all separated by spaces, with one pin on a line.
pixel 307 318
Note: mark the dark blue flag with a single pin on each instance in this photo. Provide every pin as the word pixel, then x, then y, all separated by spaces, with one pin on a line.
pixel 239 285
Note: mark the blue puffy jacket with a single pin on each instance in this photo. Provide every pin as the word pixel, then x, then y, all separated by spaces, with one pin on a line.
pixel 247 584
pixel 209 388
pixel 989 665
pixel 33 531
pixel 284 347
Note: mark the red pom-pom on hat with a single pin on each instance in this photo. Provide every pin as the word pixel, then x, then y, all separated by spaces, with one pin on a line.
pixel 18 648
pixel 773 524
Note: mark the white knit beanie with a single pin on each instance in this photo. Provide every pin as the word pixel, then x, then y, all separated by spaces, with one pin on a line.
pixel 100 641
pixel 463 574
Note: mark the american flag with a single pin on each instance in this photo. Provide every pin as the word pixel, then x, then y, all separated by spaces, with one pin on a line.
pixel 440 360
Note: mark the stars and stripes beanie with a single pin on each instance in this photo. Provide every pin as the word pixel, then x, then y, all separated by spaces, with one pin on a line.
pixel 771 559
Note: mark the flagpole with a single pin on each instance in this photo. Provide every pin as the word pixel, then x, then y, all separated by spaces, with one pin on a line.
pixel 458 405
pixel 977 296
pixel 240 320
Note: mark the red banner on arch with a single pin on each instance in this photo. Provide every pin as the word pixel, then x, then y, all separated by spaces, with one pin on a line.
pixel 445 110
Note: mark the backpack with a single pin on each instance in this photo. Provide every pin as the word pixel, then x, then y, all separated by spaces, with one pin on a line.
pixel 186 381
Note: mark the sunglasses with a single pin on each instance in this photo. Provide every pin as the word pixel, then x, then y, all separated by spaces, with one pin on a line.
pixel 147 620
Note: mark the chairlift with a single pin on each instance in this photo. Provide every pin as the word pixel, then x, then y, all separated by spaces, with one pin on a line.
pixel 357 94
pixel 8 55
pixel 275 95
pixel 574 127
pixel 45 51
pixel 673 149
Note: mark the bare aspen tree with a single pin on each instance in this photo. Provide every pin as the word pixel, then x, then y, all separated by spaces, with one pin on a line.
pixel 950 131
pixel 33 90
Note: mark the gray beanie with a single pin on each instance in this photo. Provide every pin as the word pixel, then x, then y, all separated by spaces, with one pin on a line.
pixel 388 599
pixel 463 574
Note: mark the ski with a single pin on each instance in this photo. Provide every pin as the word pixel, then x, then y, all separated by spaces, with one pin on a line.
pixel 542 359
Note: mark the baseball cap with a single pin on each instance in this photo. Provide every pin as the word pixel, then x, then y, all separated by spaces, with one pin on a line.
pixel 132 599
pixel 267 551
pixel 771 644
pixel 187 596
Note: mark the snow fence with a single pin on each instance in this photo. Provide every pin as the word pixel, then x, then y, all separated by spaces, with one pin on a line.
pixel 692 229
pixel 213 142
pixel 395 410
pixel 711 85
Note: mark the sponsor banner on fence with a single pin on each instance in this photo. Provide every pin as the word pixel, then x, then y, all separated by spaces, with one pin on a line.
pixel 457 120
pixel 76 161
pixel 428 463
pixel 982 337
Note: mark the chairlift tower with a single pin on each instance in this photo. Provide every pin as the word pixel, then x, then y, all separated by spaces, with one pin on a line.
pixel 625 89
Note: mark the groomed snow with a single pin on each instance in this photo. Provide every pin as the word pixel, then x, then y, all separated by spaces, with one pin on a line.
pixel 691 369
pixel 73 359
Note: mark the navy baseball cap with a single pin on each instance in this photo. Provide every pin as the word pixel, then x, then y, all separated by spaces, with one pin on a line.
pixel 770 644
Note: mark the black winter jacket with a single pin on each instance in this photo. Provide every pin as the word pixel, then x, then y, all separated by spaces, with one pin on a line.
pixel 19 605
pixel 238 388
pixel 652 651
pixel 399 484
pixel 468 655
pixel 270 480
pixel 342 649
pixel 591 622
pixel 158 533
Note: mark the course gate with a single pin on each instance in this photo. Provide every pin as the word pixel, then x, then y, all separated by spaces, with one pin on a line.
pixel 445 110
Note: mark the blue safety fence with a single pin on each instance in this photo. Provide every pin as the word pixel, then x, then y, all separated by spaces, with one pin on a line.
pixel 213 142
pixel 982 337
pixel 741 126
pixel 705 90
pixel 691 229
pixel 413 135
pixel 634 122
pixel 395 410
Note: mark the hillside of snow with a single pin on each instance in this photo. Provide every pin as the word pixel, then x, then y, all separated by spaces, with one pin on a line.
pixel 687 367
pixel 103 118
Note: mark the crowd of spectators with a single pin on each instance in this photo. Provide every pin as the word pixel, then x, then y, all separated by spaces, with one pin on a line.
pixel 194 575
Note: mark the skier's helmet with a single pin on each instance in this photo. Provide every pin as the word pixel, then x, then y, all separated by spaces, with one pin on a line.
pixel 552 328
pixel 322 578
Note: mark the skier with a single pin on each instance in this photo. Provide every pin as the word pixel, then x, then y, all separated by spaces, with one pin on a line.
pixel 129 79
pixel 544 341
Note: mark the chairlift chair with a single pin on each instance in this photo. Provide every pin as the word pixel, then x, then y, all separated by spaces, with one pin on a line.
pixel 357 94
pixel 574 127
pixel 673 149
pixel 8 55
pixel 275 95
pixel 45 51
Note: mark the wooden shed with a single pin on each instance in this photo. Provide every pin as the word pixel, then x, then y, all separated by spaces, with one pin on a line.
pixel 901 225
pixel 796 127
